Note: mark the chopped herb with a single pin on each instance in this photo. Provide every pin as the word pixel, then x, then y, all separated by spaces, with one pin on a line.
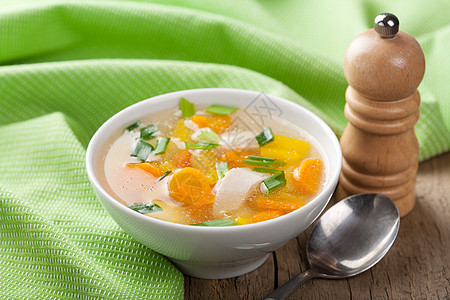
pixel 221 168
pixel 263 161
pixel 142 150
pixel 187 108
pixel 163 176
pixel 220 109
pixel 200 145
pixel 161 145
pixel 273 182
pixel 219 222
pixel 149 132
pixel 265 170
pixel 206 134
pixel 145 208
pixel 265 137
pixel 134 126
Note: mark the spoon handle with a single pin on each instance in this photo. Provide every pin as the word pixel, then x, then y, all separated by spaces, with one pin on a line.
pixel 290 286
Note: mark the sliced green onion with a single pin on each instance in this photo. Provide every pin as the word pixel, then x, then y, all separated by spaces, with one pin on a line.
pixel 207 135
pixel 142 150
pixel 274 181
pixel 187 108
pixel 220 109
pixel 200 145
pixel 161 145
pixel 219 222
pixel 265 170
pixel 134 126
pixel 265 137
pixel 263 161
pixel 221 169
pixel 145 208
pixel 163 176
pixel 149 132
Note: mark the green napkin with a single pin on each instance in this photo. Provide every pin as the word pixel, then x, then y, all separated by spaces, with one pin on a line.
pixel 67 66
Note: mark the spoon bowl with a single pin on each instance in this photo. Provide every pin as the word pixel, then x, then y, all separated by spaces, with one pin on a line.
pixel 349 238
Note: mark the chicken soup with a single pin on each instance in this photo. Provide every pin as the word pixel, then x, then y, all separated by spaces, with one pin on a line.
pixel 213 166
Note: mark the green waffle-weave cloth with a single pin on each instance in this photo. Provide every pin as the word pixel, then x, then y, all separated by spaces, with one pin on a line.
pixel 67 66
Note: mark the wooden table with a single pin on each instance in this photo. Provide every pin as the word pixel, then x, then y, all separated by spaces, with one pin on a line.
pixel 416 267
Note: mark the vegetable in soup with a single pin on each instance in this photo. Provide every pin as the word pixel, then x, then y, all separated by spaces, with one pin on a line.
pixel 213 166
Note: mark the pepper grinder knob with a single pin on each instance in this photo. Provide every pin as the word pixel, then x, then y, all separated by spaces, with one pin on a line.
pixel 386 25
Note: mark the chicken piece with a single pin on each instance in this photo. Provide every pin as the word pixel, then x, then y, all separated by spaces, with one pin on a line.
pixel 232 190
pixel 239 139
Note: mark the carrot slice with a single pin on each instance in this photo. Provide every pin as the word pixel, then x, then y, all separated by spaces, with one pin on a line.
pixel 190 187
pixel 235 158
pixel 216 123
pixel 182 159
pixel 284 205
pixel 306 177
pixel 148 167
pixel 259 217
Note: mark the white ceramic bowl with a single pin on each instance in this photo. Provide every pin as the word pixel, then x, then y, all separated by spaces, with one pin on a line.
pixel 217 252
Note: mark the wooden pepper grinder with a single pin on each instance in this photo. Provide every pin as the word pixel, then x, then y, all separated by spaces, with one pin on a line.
pixel 384 67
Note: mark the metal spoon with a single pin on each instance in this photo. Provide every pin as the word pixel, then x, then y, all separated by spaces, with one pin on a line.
pixel 349 238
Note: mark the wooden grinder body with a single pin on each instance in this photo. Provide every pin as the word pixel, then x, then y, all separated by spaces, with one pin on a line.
pixel 379 146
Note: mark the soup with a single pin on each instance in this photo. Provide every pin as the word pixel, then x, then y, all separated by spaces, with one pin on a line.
pixel 213 166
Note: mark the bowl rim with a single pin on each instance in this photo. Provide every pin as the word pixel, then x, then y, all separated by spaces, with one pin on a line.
pixel 328 189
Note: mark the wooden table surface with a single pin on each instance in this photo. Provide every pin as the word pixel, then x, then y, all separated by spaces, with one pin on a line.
pixel 416 267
